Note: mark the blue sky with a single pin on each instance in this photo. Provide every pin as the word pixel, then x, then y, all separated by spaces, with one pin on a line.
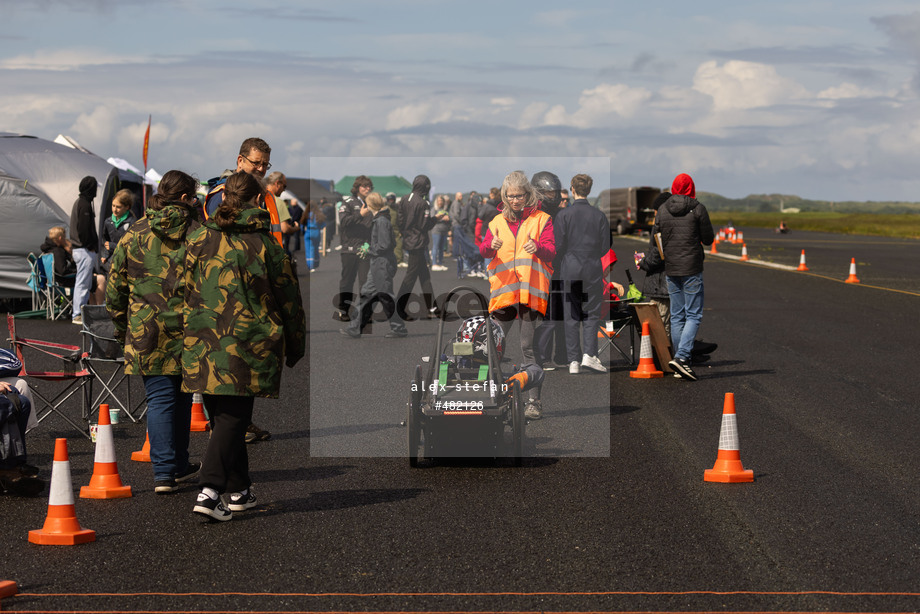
pixel 813 98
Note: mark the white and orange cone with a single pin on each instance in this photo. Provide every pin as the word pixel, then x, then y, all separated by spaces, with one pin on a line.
pixel 646 369
pixel 744 254
pixel 852 279
pixel 61 525
pixel 802 266
pixel 142 455
pixel 199 422
pixel 728 467
pixel 105 483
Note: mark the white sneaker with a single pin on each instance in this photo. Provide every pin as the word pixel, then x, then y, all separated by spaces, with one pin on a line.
pixel 593 363
pixel 574 367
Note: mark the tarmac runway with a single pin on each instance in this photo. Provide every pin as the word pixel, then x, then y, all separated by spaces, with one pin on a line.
pixel 609 511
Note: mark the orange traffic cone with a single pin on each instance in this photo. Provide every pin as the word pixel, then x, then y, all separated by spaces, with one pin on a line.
pixel 105 483
pixel 61 525
pixel 8 588
pixel 744 254
pixel 802 266
pixel 646 368
pixel 199 421
pixel 852 279
pixel 714 250
pixel 142 455
pixel 728 466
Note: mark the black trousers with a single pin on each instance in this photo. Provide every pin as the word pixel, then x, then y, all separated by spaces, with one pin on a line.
pixel 225 466
pixel 549 340
pixel 417 270
pixel 352 267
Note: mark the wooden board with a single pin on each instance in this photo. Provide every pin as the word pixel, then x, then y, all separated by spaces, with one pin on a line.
pixel 661 344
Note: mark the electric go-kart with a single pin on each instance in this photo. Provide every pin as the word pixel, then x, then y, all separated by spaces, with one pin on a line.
pixel 461 403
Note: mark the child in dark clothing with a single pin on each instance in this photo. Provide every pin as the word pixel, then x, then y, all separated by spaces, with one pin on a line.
pixel 115 227
pixel 379 285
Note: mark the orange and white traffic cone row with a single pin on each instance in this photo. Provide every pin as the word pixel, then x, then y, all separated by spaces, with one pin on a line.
pixel 728 467
pixel 105 483
pixel 61 525
pixel 647 369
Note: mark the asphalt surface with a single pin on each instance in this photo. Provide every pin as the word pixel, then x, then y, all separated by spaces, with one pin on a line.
pixel 824 378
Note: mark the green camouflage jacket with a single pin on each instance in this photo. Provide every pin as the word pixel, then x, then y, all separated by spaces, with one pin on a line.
pixel 244 313
pixel 145 293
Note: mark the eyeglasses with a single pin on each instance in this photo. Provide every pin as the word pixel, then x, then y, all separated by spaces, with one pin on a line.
pixel 267 165
pixel 511 197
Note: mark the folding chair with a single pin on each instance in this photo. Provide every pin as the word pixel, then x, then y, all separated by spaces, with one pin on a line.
pixel 104 359
pixel 36 284
pixel 617 322
pixel 58 297
pixel 72 374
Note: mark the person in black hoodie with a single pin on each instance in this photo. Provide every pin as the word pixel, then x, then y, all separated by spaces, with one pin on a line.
pixel 85 239
pixel 685 227
pixel 355 233
pixel 415 221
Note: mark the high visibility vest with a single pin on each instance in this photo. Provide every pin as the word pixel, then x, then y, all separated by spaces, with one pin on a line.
pixel 516 277
pixel 270 206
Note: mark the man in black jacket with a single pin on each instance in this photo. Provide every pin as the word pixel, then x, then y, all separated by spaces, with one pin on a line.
pixel 582 238
pixel 685 227
pixel 85 242
pixel 355 232
pixel 415 221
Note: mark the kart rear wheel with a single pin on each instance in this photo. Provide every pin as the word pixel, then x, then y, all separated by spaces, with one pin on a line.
pixel 414 418
pixel 517 425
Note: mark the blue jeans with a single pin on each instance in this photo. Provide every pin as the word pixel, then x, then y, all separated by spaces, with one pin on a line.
pixel 169 417
pixel 438 243
pixel 86 263
pixel 686 312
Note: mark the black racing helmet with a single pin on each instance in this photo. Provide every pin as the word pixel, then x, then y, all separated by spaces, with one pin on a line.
pixel 549 188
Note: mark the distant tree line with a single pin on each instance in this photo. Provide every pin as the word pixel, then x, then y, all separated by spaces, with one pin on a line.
pixel 765 203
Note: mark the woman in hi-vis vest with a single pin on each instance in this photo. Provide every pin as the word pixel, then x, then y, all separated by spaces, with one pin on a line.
pixel 521 247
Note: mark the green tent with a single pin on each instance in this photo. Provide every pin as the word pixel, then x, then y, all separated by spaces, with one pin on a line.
pixel 382 184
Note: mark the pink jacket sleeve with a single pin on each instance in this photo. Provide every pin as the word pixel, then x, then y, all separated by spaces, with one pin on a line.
pixel 485 249
pixel 546 246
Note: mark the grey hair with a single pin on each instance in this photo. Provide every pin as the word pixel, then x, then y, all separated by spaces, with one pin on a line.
pixel 517 179
pixel 274 178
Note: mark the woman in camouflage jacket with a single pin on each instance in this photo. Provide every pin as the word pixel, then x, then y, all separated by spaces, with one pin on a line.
pixel 145 295
pixel 244 316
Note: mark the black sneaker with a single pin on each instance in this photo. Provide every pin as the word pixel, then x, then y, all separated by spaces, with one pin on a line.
pixel 682 367
pixel 213 508
pixel 341 316
pixel 240 502
pixel 190 473
pixel 165 487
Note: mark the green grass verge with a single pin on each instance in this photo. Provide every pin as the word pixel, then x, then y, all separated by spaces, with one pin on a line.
pixel 903 225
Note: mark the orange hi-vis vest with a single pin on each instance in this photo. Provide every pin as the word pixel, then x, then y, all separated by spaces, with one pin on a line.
pixel 516 277
pixel 270 205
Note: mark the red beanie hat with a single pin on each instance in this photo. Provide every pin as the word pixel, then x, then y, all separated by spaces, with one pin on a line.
pixel 683 184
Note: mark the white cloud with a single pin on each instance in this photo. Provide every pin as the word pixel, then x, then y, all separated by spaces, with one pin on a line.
pixel 68 59
pixel 846 90
pixel 597 105
pixel 745 85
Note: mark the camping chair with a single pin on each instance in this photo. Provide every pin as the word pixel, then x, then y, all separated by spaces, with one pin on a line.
pixel 68 359
pixel 104 359
pixel 618 321
pixel 58 297
pixel 36 284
